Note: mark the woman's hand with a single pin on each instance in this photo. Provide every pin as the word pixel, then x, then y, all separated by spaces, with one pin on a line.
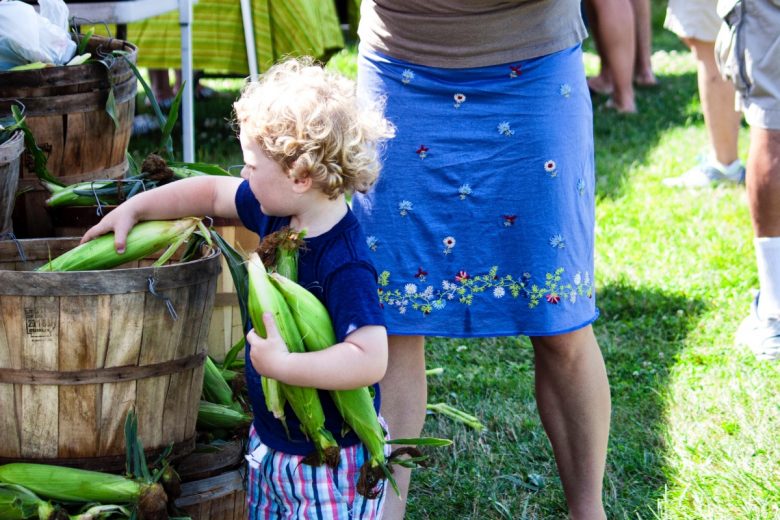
pixel 269 356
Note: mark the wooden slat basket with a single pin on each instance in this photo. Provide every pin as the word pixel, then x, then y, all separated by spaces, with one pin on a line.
pixel 65 108
pixel 78 350
pixel 221 497
pixel 226 327
pixel 213 483
pixel 10 151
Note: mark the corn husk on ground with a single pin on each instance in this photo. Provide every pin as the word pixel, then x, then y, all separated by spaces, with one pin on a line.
pixel 304 401
pixel 144 239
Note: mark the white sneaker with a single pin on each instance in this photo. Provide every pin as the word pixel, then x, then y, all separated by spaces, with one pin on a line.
pixel 706 173
pixel 761 335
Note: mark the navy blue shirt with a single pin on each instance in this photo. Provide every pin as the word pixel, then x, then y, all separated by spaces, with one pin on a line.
pixel 336 268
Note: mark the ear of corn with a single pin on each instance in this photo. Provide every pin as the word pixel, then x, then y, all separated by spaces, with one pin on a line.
pixel 215 388
pixel 212 416
pixel 305 402
pixel 144 239
pixel 355 406
pixel 78 485
pixel 18 503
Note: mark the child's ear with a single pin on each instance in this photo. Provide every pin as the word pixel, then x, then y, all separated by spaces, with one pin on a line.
pixel 302 185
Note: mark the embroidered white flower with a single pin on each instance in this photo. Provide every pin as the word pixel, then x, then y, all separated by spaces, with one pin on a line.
pixel 449 243
pixel 428 292
pixel 565 90
pixel 439 304
pixel 587 278
pixel 407 76
pixel 557 241
pixel 447 285
pixel 410 288
pixel 573 297
pixel 464 191
pixel 505 129
pixel 404 207
pixel 459 99
pixel 580 186
pixel 402 310
pixel 577 278
pixel 499 292
pixel 371 242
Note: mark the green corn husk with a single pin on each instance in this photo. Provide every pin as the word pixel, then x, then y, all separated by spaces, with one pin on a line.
pixel 215 388
pixel 305 402
pixel 279 252
pixel 212 416
pixel 73 195
pixel 458 415
pixel 78 485
pixel 355 406
pixel 18 503
pixel 145 238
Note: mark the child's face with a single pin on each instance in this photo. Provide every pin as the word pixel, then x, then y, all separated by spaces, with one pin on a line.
pixel 267 180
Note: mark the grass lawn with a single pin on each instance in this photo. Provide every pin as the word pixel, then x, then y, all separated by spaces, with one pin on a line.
pixel 695 422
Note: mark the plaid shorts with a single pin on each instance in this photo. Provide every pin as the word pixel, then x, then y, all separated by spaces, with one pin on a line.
pixel 280 486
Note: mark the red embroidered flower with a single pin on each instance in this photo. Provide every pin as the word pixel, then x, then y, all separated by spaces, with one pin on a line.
pixel 462 276
pixel 422 151
pixel 553 298
pixel 509 220
pixel 421 273
pixel 515 71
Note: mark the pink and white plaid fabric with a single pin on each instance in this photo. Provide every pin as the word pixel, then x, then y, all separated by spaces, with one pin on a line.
pixel 280 486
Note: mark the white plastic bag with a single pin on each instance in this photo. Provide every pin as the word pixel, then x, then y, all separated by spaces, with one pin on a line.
pixel 27 37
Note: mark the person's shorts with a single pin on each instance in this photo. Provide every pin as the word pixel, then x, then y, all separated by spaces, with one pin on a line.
pixel 696 19
pixel 281 486
pixel 748 54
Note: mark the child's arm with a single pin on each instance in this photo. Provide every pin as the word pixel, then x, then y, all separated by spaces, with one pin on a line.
pixel 360 360
pixel 196 196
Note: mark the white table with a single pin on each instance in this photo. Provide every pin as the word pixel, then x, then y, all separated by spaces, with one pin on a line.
pixel 123 12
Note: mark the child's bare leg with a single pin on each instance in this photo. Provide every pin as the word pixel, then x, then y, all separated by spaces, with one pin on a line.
pixel 404 396
pixel 572 393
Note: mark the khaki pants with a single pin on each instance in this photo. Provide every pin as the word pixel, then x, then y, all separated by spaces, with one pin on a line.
pixel 748 54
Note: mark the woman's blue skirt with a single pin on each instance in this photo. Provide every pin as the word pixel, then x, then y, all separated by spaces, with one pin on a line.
pixel 481 223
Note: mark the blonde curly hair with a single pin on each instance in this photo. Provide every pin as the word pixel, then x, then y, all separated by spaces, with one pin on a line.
pixel 309 120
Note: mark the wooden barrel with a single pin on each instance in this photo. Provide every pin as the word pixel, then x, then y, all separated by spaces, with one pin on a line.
pixel 221 497
pixel 78 350
pixel 226 327
pixel 65 108
pixel 10 151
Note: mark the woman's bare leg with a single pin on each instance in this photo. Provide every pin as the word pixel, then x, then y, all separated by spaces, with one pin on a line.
pixel 572 393
pixel 404 398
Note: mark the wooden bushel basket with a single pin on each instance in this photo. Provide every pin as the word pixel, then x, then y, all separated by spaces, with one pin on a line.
pixel 65 107
pixel 212 483
pixel 215 498
pixel 226 327
pixel 10 151
pixel 78 350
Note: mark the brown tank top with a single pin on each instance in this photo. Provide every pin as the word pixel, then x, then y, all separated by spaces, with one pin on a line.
pixel 469 33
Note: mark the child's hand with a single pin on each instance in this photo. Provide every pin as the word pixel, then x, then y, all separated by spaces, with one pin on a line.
pixel 268 355
pixel 121 220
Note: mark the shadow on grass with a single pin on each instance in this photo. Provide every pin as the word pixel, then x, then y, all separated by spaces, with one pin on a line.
pixel 640 332
pixel 622 141
pixel 508 471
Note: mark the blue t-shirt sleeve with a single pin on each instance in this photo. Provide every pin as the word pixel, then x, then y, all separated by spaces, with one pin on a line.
pixel 253 218
pixel 352 299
